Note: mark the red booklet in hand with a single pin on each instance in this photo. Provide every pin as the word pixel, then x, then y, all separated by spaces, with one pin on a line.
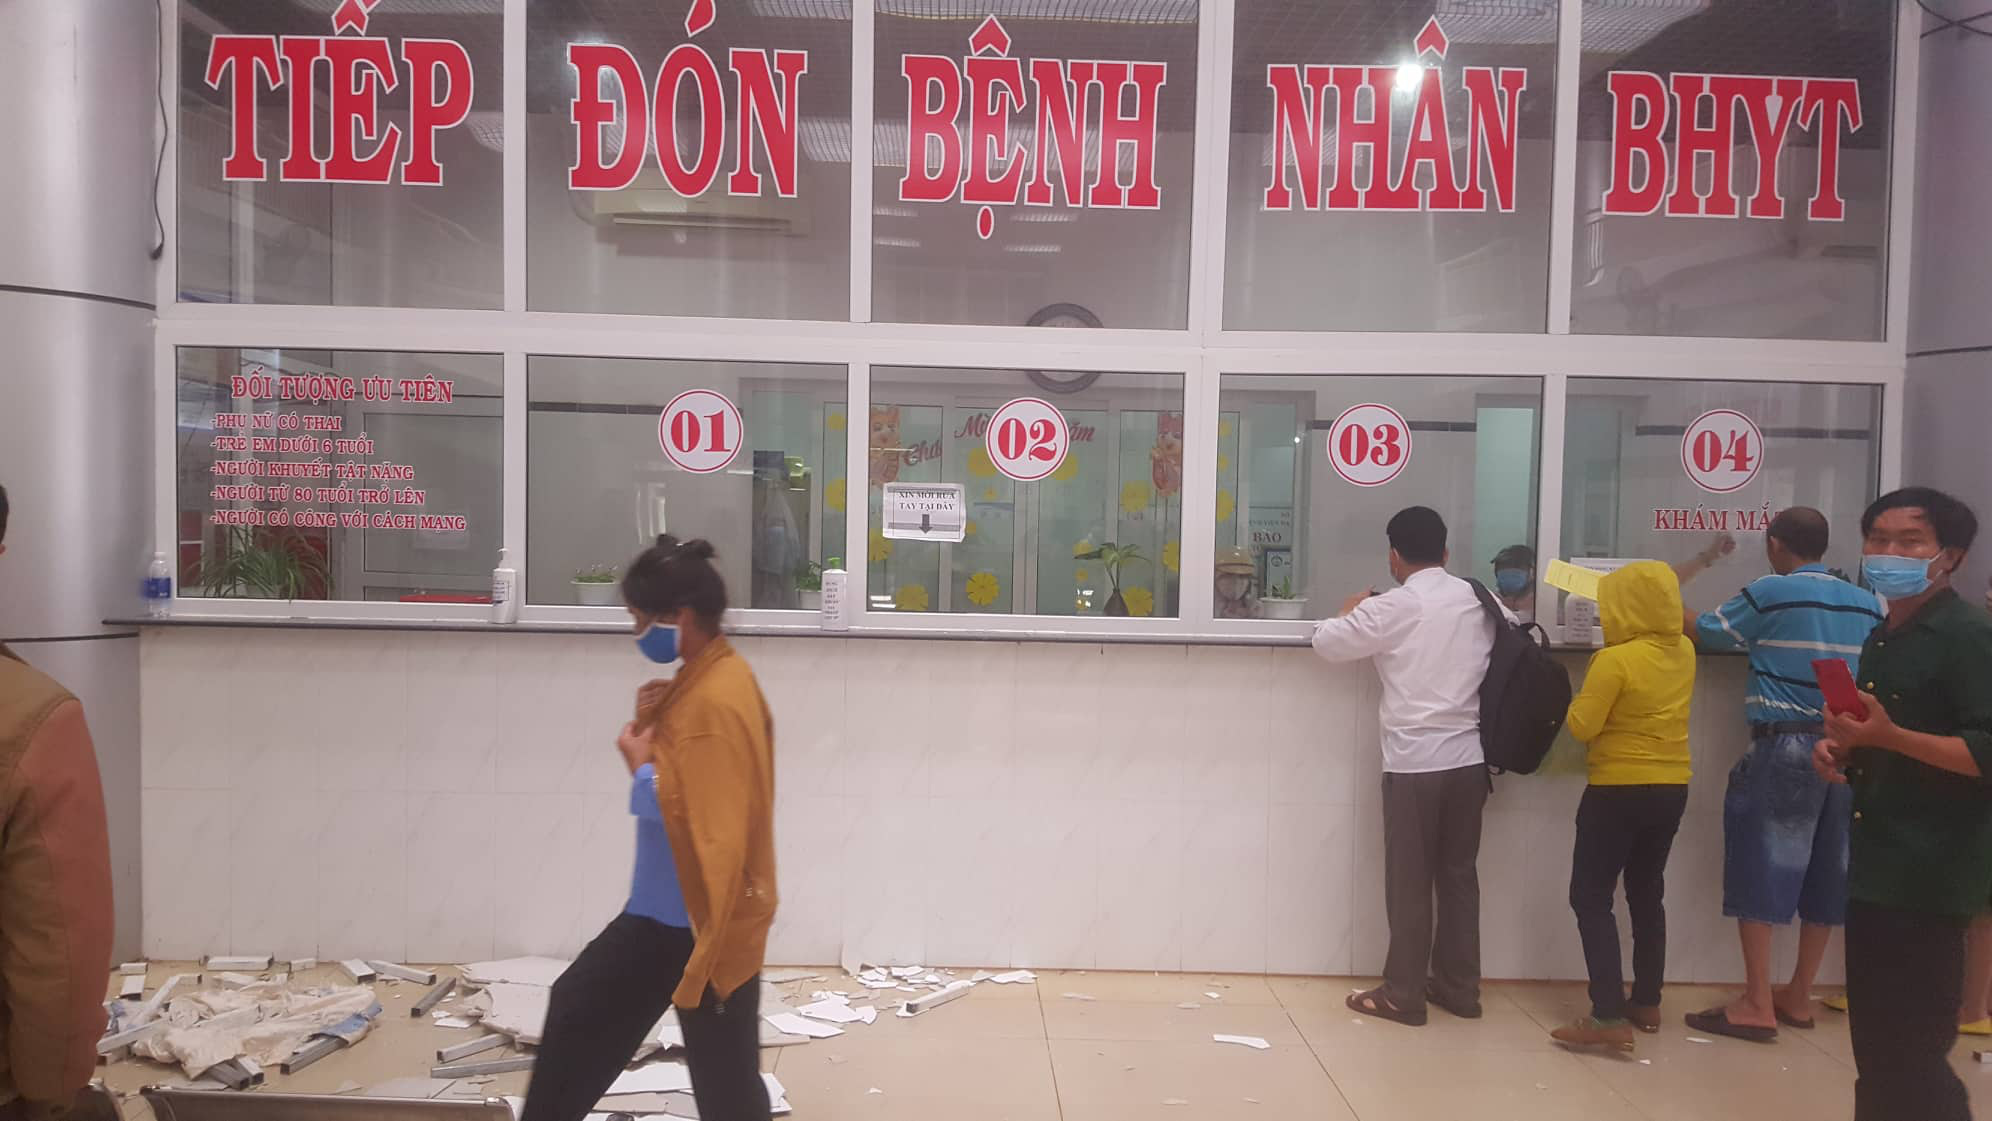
pixel 1836 684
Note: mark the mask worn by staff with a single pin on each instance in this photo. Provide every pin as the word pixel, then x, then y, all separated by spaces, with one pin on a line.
pixel 1894 577
pixel 1511 581
pixel 659 643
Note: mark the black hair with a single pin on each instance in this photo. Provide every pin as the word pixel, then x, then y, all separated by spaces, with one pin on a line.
pixel 672 575
pixel 3 515
pixel 1802 530
pixel 1515 556
pixel 1418 534
pixel 1955 525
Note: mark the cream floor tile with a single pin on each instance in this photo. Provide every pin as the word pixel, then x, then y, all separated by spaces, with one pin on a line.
pixel 1712 1083
pixel 1111 1081
pixel 1325 1021
pixel 1162 988
pixel 979 1015
pixel 1396 1081
pixel 1135 1021
pixel 921 1077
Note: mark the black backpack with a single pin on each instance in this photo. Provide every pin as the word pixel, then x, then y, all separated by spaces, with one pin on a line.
pixel 1525 696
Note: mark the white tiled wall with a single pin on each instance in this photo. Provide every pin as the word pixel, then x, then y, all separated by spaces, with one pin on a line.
pixel 450 797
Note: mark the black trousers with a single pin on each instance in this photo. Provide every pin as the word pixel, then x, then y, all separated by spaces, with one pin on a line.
pixel 1431 884
pixel 604 1006
pixel 1905 976
pixel 1624 831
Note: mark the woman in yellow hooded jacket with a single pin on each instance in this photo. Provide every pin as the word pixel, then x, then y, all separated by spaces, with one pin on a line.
pixel 1633 713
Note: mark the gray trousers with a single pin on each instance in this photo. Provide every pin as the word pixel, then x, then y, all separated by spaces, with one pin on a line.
pixel 1431 884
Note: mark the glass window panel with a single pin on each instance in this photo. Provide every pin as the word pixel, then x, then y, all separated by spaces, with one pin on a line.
pixel 338 475
pixel 1627 492
pixel 1766 256
pixel 347 213
pixel 704 234
pixel 1316 246
pixel 1100 537
pixel 1078 242
pixel 1295 537
pixel 600 485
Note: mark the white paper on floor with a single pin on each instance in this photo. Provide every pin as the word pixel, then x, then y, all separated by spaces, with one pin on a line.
pixel 1015 977
pixel 1252 1041
pixel 791 1024
pixel 669 1033
pixel 658 1078
pixel 835 1010
pixel 453 1022
pixel 540 971
pixel 517 1010
pixel 905 971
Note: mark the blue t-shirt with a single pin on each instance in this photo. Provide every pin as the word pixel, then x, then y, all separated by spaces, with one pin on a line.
pixel 1785 622
pixel 653 886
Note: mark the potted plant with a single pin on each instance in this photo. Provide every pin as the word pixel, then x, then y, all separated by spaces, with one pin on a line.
pixel 1112 557
pixel 279 564
pixel 809 585
pixel 595 586
pixel 1279 602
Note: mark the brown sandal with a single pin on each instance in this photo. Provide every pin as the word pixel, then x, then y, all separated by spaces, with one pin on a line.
pixel 1376 1003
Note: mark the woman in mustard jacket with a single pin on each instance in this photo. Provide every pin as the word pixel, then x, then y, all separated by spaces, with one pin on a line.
pixel 701 756
pixel 1633 712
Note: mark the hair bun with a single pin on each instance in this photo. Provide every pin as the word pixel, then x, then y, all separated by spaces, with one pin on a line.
pixel 698 549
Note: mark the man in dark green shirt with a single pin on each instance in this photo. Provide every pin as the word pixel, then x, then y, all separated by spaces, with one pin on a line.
pixel 1920 762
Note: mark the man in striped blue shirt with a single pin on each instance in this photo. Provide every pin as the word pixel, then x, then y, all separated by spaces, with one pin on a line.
pixel 1785 829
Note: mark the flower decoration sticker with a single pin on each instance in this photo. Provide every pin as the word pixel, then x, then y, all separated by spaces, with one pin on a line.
pixel 911 597
pixel 880 549
pixel 834 495
pixel 1140 602
pixel 983 588
pixel 1226 506
pixel 1134 497
pixel 980 465
pixel 1172 556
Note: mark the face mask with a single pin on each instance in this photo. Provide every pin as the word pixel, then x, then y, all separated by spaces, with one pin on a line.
pixel 1894 577
pixel 659 643
pixel 1511 581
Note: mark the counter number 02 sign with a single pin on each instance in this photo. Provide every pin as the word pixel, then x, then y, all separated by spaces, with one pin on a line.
pixel 700 431
pixel 1369 444
pixel 1722 451
pixel 1028 439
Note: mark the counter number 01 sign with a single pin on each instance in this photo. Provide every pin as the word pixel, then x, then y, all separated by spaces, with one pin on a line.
pixel 1369 444
pixel 1722 451
pixel 700 431
pixel 1028 439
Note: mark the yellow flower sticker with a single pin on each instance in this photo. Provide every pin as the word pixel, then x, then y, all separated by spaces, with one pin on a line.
pixel 1082 548
pixel 972 528
pixel 979 463
pixel 1223 462
pixel 1226 505
pixel 989 493
pixel 983 589
pixel 1140 602
pixel 834 422
pixel 1224 428
pixel 1172 556
pixel 1135 496
pixel 910 597
pixel 880 549
pixel 1069 470
pixel 834 495
pixel 1080 576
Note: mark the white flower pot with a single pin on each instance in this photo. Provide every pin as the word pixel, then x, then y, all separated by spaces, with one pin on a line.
pixel 1283 608
pixel 809 600
pixel 597 595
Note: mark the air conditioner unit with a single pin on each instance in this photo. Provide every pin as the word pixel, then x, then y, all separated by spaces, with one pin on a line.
pixel 650 201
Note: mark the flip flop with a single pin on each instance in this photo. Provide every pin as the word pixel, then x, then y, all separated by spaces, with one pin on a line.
pixel 1836 1003
pixel 1375 1003
pixel 1791 1021
pixel 1976 1027
pixel 1715 1021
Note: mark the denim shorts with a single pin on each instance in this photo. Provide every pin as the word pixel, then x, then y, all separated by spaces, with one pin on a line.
pixel 1784 834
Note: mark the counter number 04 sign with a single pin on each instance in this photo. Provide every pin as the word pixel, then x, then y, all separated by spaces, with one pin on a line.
pixel 1028 439
pixel 700 431
pixel 1369 444
pixel 1722 451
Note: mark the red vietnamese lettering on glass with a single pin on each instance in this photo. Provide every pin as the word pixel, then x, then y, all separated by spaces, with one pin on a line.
pixel 430 60
pixel 1831 101
pixel 1693 140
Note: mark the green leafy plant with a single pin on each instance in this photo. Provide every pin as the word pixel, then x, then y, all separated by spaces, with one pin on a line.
pixel 1113 558
pixel 809 578
pixel 281 564
pixel 596 574
pixel 1283 590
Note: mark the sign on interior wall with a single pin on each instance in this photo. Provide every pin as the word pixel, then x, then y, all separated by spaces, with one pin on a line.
pixel 700 431
pixel 332 125
pixel 1468 164
pixel 965 141
pixel 1665 129
pixel 1028 439
pixel 1369 444
pixel 621 120
pixel 924 512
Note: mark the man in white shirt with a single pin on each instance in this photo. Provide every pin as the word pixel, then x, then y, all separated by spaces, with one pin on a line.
pixel 1430 640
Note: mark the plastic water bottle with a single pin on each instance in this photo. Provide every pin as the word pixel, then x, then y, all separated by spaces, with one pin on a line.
pixel 158 587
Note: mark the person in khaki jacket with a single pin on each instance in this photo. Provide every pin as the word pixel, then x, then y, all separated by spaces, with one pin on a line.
pixel 701 756
pixel 55 891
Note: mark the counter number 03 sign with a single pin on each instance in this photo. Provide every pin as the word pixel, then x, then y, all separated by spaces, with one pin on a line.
pixel 1028 439
pixel 1722 451
pixel 700 431
pixel 1369 444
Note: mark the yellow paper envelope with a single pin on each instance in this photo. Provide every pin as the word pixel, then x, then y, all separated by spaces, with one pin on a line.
pixel 1577 581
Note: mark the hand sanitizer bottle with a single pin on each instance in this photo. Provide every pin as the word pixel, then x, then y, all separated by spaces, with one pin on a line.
pixel 504 590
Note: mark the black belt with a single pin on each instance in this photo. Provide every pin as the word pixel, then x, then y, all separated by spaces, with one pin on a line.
pixel 1787 728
